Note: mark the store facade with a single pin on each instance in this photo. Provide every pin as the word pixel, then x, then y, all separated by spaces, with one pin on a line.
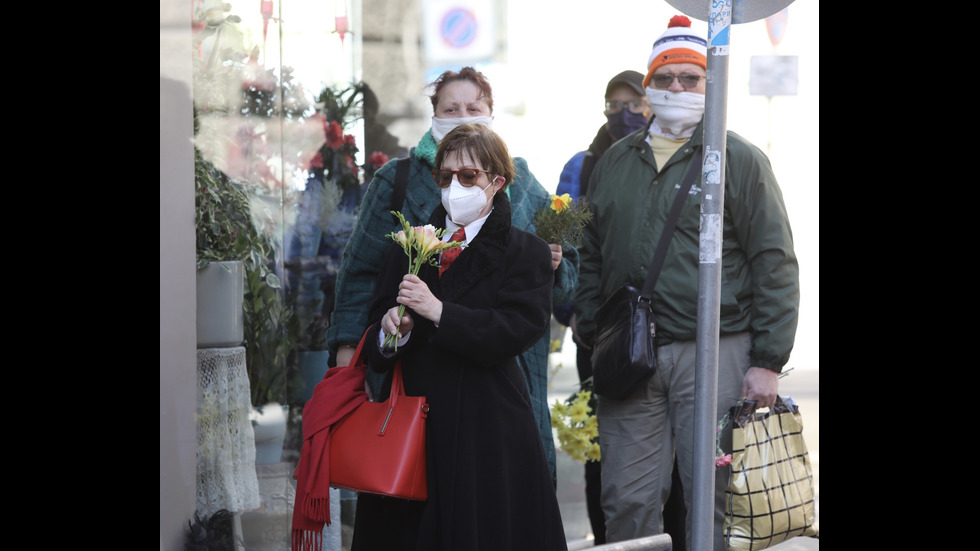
pixel 262 162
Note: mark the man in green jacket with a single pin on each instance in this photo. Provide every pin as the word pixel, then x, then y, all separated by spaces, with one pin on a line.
pixel 631 192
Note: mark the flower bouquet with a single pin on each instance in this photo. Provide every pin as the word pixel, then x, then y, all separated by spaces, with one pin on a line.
pixel 561 222
pixel 578 428
pixel 422 245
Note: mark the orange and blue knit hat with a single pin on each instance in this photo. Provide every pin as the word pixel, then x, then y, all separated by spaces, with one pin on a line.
pixel 678 44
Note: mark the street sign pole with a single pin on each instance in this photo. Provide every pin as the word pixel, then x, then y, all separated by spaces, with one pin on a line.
pixel 709 276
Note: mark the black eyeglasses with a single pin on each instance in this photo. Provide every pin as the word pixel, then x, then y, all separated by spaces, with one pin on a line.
pixel 635 105
pixel 664 80
pixel 467 176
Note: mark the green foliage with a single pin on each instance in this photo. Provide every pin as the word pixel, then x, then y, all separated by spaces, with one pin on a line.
pixel 283 99
pixel 563 227
pixel 344 105
pixel 214 533
pixel 223 219
pixel 269 336
pixel 226 231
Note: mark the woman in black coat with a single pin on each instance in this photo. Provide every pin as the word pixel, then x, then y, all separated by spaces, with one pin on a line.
pixel 488 480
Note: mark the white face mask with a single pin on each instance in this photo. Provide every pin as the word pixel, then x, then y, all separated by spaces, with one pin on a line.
pixel 676 114
pixel 441 127
pixel 464 204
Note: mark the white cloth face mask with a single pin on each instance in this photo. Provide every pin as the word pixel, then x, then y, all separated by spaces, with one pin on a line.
pixel 676 114
pixel 441 127
pixel 463 204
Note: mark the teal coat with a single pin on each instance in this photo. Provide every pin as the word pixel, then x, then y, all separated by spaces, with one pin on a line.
pixel 361 262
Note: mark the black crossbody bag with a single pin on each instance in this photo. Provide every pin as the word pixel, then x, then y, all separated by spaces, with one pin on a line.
pixel 623 353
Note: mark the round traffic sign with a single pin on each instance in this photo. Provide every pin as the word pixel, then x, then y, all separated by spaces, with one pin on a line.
pixel 743 11
pixel 458 27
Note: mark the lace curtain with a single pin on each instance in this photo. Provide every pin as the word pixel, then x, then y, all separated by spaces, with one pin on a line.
pixel 226 477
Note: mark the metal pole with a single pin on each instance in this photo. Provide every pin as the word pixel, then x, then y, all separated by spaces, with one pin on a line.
pixel 720 14
pixel 709 277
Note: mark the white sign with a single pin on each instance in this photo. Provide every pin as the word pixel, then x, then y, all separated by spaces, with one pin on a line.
pixel 773 75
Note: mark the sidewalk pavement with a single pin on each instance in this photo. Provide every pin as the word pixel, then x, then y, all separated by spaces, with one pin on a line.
pixel 802 385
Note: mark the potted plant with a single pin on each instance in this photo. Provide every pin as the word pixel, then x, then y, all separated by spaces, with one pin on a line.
pixel 226 233
pixel 214 533
pixel 229 85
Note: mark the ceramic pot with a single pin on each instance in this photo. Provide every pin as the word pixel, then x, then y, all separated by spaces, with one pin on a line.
pixel 220 316
pixel 269 425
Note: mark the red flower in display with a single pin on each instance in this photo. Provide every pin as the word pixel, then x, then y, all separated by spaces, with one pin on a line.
pixel 351 164
pixel 317 160
pixel 377 159
pixel 335 158
pixel 335 135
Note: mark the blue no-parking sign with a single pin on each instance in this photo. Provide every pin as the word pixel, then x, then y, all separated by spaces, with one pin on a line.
pixel 458 30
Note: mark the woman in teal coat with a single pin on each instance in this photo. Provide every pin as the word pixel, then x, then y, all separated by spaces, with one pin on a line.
pixel 458 97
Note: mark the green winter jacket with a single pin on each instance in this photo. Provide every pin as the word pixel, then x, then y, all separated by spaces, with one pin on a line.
pixel 630 198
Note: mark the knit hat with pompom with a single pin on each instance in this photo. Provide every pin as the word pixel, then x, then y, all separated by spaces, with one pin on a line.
pixel 678 44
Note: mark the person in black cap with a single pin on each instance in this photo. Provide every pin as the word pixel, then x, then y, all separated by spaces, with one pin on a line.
pixel 627 110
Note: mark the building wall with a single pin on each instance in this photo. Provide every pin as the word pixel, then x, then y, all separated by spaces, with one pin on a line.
pixel 178 339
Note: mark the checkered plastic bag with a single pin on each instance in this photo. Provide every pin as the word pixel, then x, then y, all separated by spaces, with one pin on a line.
pixel 770 490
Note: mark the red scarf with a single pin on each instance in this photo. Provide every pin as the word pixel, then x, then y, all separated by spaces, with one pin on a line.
pixel 339 393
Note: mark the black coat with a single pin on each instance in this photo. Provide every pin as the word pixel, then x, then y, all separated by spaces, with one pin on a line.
pixel 490 488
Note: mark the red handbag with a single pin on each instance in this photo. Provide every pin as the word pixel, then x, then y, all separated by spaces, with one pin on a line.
pixel 379 448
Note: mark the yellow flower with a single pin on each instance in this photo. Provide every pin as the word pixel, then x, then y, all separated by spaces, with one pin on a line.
pixel 562 221
pixel 401 239
pixel 590 427
pixel 428 241
pixel 578 412
pixel 593 453
pixel 576 426
pixel 560 202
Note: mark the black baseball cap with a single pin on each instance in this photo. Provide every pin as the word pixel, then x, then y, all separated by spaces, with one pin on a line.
pixel 633 79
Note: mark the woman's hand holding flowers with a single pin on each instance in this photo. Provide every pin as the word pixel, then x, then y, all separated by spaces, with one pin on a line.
pixel 395 326
pixel 422 245
pixel 415 294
